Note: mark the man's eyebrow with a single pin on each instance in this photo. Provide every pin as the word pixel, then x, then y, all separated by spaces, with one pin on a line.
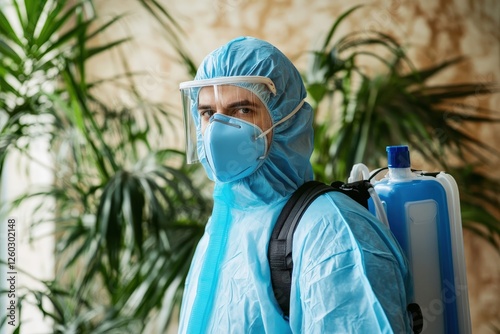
pixel 237 104
pixel 242 103
pixel 204 106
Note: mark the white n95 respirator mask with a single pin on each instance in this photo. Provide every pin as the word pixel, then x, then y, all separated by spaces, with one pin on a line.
pixel 234 148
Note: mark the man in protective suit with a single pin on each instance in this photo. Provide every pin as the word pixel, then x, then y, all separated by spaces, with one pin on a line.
pixel 248 124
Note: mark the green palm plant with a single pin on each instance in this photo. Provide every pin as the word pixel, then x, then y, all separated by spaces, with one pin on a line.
pixel 39 41
pixel 128 211
pixel 360 113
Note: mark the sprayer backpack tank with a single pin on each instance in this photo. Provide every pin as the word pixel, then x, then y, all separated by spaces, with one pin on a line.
pixel 423 212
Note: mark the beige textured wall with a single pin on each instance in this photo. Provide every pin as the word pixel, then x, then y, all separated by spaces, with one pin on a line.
pixel 433 30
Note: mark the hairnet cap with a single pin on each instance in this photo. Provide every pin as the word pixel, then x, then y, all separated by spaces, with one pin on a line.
pixel 249 56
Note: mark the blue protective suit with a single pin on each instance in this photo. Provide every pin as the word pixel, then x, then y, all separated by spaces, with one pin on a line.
pixel 349 273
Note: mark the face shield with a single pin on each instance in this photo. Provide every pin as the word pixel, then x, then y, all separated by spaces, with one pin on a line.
pixel 227 123
pixel 242 98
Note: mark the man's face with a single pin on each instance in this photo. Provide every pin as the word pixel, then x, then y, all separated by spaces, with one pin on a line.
pixel 235 102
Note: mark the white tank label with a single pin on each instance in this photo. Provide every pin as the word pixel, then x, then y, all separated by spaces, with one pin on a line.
pixel 422 219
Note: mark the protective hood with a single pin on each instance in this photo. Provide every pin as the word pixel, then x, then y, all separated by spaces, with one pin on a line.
pixel 334 290
pixel 287 165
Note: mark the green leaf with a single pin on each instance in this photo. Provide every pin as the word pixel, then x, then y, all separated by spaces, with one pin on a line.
pixel 34 10
pixel 6 50
pixel 55 21
pixel 7 30
pixel 97 50
pixel 337 22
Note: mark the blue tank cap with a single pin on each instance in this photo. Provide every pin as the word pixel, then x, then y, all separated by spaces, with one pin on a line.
pixel 398 156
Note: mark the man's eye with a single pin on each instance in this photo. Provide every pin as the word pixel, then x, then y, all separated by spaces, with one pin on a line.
pixel 243 110
pixel 207 113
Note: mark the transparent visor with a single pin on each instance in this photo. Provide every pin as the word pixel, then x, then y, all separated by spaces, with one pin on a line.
pixel 233 103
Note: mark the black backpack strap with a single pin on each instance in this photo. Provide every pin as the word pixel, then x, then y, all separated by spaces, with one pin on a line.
pixel 358 190
pixel 280 245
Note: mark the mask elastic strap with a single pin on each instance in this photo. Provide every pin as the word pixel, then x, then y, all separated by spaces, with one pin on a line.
pixel 297 108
